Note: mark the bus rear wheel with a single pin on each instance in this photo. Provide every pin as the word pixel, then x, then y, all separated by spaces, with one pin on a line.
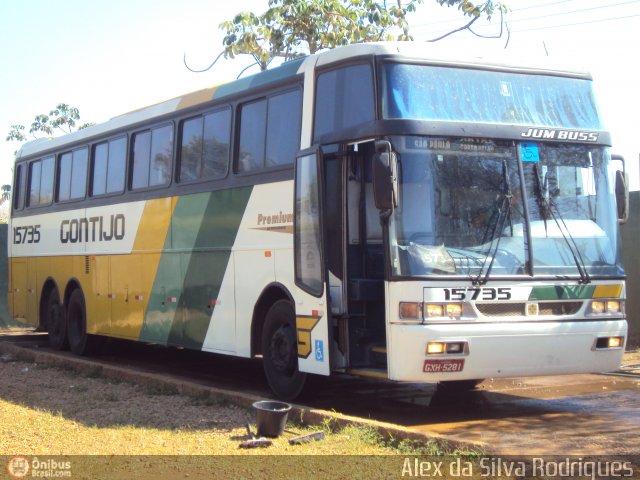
pixel 55 321
pixel 280 352
pixel 80 342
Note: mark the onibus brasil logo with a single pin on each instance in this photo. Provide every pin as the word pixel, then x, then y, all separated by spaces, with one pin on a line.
pixel 20 467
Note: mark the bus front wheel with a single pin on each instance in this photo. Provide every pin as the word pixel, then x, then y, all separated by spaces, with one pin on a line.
pixel 80 342
pixel 280 351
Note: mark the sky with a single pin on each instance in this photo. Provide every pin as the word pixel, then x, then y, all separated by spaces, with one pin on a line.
pixel 111 57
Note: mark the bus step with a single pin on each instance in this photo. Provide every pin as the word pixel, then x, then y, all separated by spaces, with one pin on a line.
pixel 378 356
pixel 369 372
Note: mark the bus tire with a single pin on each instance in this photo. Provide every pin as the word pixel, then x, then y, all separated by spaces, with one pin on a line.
pixel 56 321
pixel 280 352
pixel 80 342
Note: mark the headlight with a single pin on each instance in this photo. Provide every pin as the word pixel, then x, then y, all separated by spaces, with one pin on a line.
pixel 454 310
pixel 597 307
pixel 600 307
pixel 613 306
pixel 434 310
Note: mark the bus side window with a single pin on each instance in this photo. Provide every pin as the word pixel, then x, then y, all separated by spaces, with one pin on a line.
pixel 41 181
pixel 18 197
pixel 108 166
pixel 204 146
pixel 283 128
pixel 344 99
pixel 152 157
pixel 72 175
pixel 270 131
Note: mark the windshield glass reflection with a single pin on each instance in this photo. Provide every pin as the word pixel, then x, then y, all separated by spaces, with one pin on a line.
pixel 462 209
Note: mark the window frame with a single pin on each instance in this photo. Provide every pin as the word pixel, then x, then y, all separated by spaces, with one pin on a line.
pixel 333 68
pixel 58 166
pixel 238 121
pixel 131 157
pixel 17 188
pixel 91 178
pixel 28 183
pixel 178 148
pixel 318 291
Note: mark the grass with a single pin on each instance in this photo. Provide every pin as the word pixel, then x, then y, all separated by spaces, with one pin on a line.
pixel 53 411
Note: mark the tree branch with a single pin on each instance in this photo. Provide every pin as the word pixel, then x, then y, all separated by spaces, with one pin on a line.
pixel 454 31
pixel 184 60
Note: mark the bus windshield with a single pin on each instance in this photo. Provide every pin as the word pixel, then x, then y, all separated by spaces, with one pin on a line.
pixel 464 209
pixel 425 92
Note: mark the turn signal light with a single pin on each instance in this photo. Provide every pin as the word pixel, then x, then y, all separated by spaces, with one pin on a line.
pixel 411 310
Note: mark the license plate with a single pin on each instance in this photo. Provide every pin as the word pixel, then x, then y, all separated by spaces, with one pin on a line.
pixel 443 365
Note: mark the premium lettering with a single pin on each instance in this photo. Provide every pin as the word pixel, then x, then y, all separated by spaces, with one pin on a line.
pixel 276 219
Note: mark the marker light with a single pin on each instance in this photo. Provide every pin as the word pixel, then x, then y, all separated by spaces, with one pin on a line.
pixel 411 310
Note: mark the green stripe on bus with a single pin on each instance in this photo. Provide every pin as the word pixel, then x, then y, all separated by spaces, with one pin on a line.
pixel 558 292
pixel 204 267
pixel 167 286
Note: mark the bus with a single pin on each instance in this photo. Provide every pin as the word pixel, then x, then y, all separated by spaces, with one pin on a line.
pixel 383 210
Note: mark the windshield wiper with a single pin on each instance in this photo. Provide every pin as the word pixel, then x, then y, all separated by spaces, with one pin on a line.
pixel 547 207
pixel 504 213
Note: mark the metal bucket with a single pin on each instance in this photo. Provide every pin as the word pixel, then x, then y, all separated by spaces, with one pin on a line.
pixel 271 417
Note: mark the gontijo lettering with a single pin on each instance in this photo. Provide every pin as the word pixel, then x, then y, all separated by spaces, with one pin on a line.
pixel 93 229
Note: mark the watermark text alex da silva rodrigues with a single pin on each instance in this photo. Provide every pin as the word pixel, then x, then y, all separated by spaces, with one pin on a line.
pixel 22 467
pixel 492 467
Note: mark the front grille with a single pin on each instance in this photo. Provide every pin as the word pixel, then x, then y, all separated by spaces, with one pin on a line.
pixel 520 309
pixel 501 309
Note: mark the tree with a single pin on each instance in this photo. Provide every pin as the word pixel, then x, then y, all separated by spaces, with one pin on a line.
pixel 293 28
pixel 62 118
pixel 5 194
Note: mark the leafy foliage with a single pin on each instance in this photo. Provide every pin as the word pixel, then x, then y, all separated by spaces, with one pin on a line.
pixel 292 28
pixel 63 117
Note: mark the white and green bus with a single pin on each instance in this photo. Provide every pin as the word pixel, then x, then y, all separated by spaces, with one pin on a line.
pixel 379 209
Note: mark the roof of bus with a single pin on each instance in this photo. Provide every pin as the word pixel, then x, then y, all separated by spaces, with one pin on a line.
pixel 411 51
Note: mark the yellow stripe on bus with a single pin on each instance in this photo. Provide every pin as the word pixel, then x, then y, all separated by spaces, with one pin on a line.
pixel 133 275
pixel 607 291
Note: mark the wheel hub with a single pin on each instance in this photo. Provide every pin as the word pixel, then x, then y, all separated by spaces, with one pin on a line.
pixel 283 349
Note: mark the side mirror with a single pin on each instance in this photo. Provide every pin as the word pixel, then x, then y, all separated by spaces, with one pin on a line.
pixel 385 177
pixel 621 190
pixel 622 195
